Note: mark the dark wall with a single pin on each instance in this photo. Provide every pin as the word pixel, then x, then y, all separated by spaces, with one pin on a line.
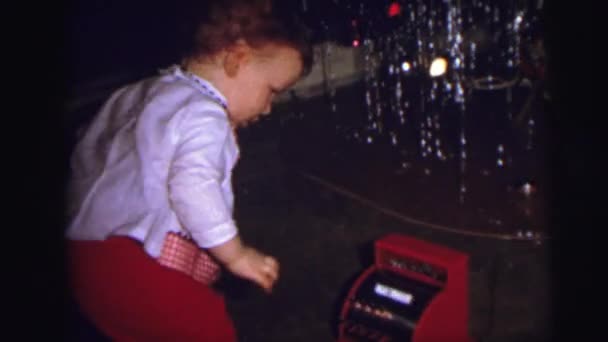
pixel 105 37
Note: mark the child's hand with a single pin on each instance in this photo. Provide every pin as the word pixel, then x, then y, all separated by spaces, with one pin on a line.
pixel 252 265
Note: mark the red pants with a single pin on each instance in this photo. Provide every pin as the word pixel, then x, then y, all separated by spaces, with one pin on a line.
pixel 131 297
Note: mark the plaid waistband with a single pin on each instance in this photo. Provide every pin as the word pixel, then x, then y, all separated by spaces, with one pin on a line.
pixel 181 253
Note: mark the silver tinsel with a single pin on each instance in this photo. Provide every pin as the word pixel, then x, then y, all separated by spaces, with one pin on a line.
pixel 481 41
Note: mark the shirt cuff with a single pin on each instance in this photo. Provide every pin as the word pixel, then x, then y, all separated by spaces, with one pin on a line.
pixel 216 235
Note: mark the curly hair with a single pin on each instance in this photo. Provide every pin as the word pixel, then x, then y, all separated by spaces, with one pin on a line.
pixel 213 25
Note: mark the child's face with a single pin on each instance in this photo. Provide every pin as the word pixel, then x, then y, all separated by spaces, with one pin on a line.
pixel 259 77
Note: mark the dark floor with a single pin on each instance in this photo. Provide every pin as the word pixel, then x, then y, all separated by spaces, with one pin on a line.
pixel 323 239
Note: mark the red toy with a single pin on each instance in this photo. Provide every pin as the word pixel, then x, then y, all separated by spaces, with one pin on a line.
pixel 415 291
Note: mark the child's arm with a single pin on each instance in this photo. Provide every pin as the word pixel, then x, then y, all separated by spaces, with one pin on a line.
pixel 247 262
pixel 197 198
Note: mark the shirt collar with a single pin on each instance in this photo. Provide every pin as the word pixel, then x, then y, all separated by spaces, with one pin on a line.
pixel 203 85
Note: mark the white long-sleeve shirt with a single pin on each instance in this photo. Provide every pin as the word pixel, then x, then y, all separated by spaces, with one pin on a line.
pixel 158 157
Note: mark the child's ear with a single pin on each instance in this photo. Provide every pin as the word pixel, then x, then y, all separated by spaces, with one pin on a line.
pixel 235 56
